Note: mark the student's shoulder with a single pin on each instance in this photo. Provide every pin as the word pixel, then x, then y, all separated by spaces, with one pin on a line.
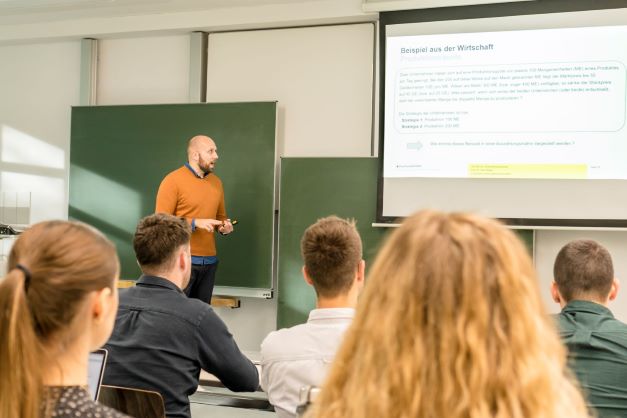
pixel 615 326
pixel 563 322
pixel 166 303
pixel 201 312
pixel 279 340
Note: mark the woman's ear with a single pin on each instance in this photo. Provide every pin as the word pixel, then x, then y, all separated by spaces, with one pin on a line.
pixel 101 304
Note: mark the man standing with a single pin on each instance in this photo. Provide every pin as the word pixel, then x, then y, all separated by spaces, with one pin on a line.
pixel 597 342
pixel 193 192
pixel 298 357
pixel 161 338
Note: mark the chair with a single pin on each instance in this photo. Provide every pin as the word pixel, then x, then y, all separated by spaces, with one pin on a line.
pixel 133 402
pixel 307 396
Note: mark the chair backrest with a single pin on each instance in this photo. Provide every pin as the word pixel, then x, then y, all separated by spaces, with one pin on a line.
pixel 133 402
pixel 307 396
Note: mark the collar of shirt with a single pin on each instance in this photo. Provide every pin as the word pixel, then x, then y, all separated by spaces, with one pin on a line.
pixel 331 314
pixel 155 281
pixel 204 260
pixel 194 172
pixel 588 307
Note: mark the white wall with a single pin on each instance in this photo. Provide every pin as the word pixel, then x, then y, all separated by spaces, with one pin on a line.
pixel 321 77
pixel 162 17
pixel 143 70
pixel 39 84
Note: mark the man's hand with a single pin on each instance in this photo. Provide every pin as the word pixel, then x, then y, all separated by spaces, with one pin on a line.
pixel 226 228
pixel 208 224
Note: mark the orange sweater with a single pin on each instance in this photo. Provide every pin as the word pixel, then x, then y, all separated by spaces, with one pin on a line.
pixel 183 194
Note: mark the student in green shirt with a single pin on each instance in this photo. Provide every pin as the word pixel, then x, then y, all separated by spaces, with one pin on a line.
pixel 597 342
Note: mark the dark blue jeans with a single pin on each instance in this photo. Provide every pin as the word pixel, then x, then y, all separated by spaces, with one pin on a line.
pixel 201 282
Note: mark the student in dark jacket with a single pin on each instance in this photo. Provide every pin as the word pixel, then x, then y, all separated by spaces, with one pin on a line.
pixel 162 339
pixel 597 342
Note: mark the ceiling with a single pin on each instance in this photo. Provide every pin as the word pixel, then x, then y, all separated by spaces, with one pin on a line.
pixel 32 11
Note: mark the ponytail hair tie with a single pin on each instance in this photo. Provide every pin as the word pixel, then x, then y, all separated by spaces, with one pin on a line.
pixel 27 275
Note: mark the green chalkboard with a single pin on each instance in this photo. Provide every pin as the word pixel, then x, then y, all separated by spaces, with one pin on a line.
pixel 312 188
pixel 120 154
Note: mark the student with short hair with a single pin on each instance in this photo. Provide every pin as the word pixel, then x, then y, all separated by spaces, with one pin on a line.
pixel 161 338
pixel 584 286
pixel 298 357
pixel 450 324
pixel 57 303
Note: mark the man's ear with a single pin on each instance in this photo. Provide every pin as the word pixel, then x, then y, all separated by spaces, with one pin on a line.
pixel 182 259
pixel 361 272
pixel 555 293
pixel 306 276
pixel 614 289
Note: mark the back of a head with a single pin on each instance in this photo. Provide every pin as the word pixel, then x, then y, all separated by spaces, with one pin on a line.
pixel 156 240
pixel 450 324
pixel 53 266
pixel 583 269
pixel 331 250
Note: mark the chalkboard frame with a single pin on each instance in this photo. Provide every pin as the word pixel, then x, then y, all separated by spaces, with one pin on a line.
pixel 114 148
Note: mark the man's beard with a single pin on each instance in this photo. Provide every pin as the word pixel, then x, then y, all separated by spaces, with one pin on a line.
pixel 205 166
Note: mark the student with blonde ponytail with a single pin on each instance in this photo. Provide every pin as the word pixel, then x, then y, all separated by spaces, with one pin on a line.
pixel 450 324
pixel 57 303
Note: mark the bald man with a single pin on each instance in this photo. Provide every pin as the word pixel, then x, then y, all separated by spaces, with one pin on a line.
pixel 195 193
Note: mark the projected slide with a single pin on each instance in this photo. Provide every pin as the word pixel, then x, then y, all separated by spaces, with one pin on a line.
pixel 538 104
